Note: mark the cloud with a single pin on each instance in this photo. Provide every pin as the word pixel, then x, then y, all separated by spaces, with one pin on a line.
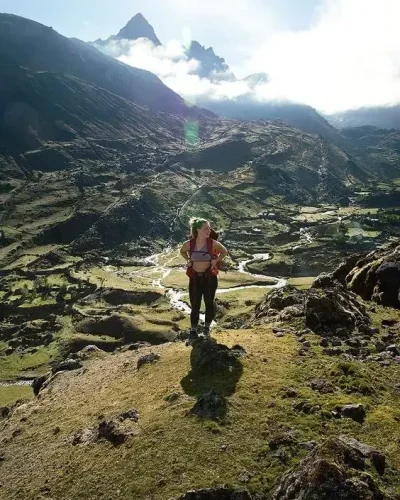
pixel 348 58
pixel 177 71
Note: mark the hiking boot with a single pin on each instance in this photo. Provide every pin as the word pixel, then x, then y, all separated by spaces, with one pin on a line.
pixel 206 331
pixel 192 337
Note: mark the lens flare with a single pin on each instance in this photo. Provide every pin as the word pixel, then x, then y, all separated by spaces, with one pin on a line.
pixel 191 132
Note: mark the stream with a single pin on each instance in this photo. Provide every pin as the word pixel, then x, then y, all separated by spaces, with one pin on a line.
pixel 175 296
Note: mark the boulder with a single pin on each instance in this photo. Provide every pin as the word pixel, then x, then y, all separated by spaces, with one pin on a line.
pixel 210 405
pixel 354 411
pixel 111 432
pixel 288 299
pixel 333 470
pixel 209 357
pixel 147 359
pixel 321 385
pixel 333 310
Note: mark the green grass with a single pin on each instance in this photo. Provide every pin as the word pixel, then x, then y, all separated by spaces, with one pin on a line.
pixel 302 283
pixel 29 364
pixel 10 394
pixel 172 452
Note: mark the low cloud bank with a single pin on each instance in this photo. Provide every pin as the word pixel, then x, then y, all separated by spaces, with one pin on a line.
pixel 348 59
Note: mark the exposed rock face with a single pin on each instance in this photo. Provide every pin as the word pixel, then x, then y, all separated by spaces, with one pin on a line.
pixel 375 276
pixel 284 300
pixel 331 309
pixel 334 470
pixel 38 383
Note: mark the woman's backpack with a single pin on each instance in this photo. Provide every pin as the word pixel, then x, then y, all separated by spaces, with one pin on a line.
pixel 189 270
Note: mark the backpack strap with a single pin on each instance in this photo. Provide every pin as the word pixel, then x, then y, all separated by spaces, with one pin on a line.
pixel 210 250
pixel 192 244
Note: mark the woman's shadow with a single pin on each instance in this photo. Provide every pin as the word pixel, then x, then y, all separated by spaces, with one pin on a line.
pixel 215 368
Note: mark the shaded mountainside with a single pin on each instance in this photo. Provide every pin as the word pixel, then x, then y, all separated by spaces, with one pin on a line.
pixel 298 115
pixel 39 48
pixel 379 149
pixel 211 65
pixel 42 107
pixel 385 117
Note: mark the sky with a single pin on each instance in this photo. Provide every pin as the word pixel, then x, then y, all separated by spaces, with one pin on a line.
pixel 331 54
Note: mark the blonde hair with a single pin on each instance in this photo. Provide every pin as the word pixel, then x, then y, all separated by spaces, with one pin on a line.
pixel 195 224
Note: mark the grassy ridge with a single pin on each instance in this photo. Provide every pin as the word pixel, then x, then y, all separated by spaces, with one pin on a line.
pixel 171 452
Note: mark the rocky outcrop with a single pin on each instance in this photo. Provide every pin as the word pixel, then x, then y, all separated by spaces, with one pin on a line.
pixel 147 359
pixel 328 307
pixel 338 468
pixel 331 309
pixel 209 357
pixel 210 405
pixel 375 276
pixel 116 296
pixel 286 301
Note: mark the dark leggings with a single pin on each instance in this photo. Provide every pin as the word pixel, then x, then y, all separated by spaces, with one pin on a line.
pixel 202 285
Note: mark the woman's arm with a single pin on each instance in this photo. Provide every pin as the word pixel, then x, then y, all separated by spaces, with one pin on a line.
pixel 184 251
pixel 221 251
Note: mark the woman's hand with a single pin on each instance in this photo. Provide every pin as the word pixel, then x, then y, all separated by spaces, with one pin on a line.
pixel 214 262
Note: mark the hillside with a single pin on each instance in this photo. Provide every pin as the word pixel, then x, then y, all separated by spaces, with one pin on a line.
pixel 288 393
pixel 39 48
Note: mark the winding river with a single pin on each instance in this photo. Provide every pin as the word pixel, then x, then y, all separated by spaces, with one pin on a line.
pixel 176 295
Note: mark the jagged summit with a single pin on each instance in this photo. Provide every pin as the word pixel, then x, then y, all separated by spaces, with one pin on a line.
pixel 138 27
pixel 210 62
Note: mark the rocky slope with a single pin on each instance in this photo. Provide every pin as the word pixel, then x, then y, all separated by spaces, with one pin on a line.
pixel 285 408
pixel 375 276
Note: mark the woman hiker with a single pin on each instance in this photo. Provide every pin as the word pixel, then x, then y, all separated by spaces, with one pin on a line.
pixel 203 255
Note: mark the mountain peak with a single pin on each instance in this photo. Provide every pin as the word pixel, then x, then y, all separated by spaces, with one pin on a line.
pixel 210 62
pixel 138 27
